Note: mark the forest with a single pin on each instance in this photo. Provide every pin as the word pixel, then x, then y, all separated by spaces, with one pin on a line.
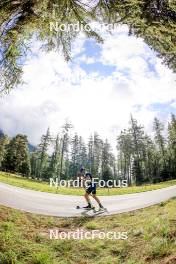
pixel 140 158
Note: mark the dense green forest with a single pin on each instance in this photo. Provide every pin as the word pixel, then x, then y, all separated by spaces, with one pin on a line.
pixel 139 158
pixel 25 21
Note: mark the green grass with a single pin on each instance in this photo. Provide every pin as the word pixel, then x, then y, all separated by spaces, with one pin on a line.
pixel 44 187
pixel 24 238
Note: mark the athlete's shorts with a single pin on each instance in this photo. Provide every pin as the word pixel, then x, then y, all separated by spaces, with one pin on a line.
pixel 91 189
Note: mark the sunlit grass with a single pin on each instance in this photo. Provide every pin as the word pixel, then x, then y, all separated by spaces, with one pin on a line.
pixel 44 187
pixel 24 238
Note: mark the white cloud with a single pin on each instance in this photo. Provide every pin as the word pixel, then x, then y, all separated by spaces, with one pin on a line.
pixel 86 59
pixel 55 90
pixel 173 104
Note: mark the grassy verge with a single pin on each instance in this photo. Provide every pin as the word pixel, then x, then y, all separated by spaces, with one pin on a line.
pixel 44 187
pixel 24 238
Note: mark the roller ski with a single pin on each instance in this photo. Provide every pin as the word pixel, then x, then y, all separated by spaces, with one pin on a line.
pixel 94 212
pixel 101 210
pixel 86 208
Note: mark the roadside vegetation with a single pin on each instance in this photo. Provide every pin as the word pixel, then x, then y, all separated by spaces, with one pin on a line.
pixel 19 181
pixel 24 238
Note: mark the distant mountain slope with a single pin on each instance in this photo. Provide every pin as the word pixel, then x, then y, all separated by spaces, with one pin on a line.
pixel 1 133
pixel 32 148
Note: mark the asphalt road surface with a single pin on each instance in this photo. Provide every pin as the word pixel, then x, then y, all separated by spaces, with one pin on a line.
pixel 65 205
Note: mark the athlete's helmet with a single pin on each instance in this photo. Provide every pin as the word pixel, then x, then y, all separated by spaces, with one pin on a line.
pixel 88 174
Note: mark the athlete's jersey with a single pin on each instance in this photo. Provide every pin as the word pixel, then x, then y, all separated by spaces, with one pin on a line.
pixel 88 181
pixel 90 186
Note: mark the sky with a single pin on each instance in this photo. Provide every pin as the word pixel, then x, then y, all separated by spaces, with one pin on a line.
pixel 97 90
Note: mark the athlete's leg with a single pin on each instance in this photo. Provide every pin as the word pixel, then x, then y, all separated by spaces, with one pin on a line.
pixel 94 190
pixel 96 198
pixel 86 196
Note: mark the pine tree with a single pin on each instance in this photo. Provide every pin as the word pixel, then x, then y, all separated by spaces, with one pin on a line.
pixel 106 169
pixel 149 160
pixel 17 156
pixel 65 139
pixel 125 147
pixel 90 154
pixel 172 146
pixel 153 20
pixel 95 145
pixel 34 160
pixel 53 170
pixel 137 134
pixel 97 153
pixel 160 141
pixel 42 154
pixel 74 166
pixel 4 141
pixel 82 157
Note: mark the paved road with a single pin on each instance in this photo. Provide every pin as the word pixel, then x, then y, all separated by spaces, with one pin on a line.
pixel 65 205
